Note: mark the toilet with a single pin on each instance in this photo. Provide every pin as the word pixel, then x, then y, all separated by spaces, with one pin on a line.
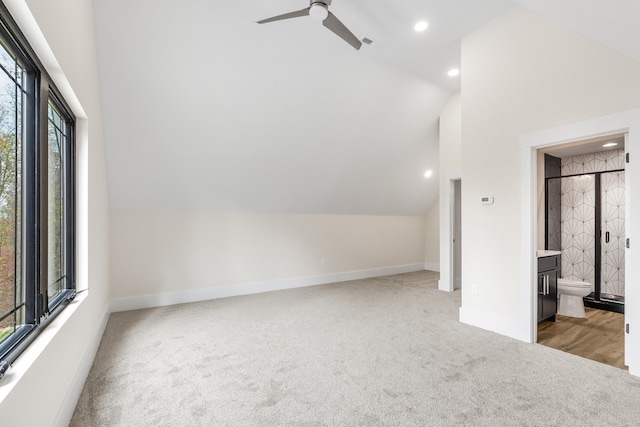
pixel 570 294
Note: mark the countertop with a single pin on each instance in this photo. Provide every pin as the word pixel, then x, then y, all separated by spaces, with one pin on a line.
pixel 541 253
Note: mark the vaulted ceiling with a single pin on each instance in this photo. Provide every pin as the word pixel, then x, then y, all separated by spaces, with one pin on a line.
pixel 206 110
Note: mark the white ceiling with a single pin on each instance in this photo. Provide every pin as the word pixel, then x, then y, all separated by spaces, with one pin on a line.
pixel 595 145
pixel 206 110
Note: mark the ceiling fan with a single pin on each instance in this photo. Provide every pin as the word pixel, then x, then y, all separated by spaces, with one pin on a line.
pixel 319 10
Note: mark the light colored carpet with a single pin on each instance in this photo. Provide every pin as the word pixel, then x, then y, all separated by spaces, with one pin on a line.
pixel 379 352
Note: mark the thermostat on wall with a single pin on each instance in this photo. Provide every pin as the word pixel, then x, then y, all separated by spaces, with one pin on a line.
pixel 487 200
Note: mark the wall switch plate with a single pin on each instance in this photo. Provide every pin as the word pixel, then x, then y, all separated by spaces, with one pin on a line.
pixel 487 200
pixel 474 289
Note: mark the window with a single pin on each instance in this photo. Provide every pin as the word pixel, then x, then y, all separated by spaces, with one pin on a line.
pixel 36 195
pixel 59 143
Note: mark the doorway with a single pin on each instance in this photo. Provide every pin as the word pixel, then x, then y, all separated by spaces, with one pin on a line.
pixel 451 233
pixel 627 123
pixel 457 234
pixel 585 220
pixel 593 131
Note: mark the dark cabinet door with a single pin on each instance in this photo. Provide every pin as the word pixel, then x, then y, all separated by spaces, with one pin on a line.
pixel 541 295
pixel 548 288
pixel 549 305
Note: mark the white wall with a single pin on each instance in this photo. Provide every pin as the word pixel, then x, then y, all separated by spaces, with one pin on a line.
pixel 56 365
pixel 450 168
pixel 182 254
pixel 521 74
pixel 432 238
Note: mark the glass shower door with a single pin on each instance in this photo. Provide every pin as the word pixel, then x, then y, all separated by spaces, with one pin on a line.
pixel 613 236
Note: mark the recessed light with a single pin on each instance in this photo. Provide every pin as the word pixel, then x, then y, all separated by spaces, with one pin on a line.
pixel 428 173
pixel 421 26
pixel 453 72
pixel 610 144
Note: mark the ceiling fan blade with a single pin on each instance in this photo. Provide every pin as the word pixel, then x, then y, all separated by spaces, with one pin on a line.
pixel 341 31
pixel 296 14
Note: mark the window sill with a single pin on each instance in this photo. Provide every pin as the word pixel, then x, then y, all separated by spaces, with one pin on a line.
pixel 31 355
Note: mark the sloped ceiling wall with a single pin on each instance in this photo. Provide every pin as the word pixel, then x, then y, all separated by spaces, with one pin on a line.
pixel 206 110
pixel 613 23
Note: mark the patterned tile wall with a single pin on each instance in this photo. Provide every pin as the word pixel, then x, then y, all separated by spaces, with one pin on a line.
pixel 595 162
pixel 578 216
pixel 578 235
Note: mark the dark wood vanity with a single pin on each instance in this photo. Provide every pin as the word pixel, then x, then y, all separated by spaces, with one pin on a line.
pixel 548 268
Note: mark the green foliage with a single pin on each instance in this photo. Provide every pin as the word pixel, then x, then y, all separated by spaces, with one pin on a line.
pixel 7 188
pixel 5 333
pixel 9 182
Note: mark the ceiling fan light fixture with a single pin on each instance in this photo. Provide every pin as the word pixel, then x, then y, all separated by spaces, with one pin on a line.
pixel 318 11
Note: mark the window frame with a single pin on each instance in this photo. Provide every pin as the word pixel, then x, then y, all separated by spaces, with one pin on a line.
pixel 40 92
pixel 68 159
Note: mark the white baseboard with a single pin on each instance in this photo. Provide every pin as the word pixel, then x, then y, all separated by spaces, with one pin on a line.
pixel 432 266
pixel 497 324
pixel 193 295
pixel 65 412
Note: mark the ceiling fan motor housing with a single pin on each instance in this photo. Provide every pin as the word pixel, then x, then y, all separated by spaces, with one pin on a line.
pixel 318 11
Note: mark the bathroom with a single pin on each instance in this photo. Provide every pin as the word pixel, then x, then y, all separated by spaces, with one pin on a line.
pixel 581 223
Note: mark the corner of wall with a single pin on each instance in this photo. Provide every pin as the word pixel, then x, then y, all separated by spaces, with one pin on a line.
pixel 432 238
pixel 73 393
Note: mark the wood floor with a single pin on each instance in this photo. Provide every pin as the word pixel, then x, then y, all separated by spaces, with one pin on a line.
pixel 599 337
